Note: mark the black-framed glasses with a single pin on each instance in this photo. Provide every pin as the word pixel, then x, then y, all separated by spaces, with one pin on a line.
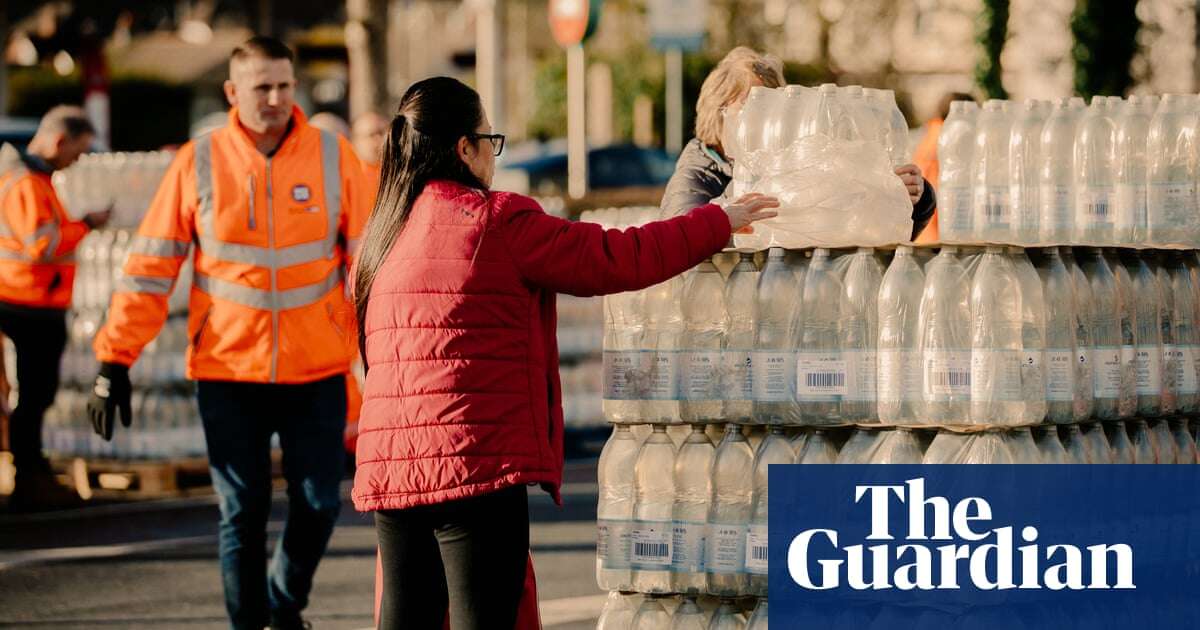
pixel 497 140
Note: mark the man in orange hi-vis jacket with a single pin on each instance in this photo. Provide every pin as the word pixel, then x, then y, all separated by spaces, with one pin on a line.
pixel 272 207
pixel 37 272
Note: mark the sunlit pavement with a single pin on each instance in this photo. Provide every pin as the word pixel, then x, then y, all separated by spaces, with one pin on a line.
pixel 153 564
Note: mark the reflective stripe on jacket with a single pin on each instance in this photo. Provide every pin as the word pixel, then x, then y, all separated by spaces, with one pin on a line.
pixel 271 236
pixel 37 237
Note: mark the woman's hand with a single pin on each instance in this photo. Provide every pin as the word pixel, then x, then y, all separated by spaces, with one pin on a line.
pixel 750 208
pixel 910 174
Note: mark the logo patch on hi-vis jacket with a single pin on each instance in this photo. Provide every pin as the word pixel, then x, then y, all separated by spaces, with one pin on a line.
pixel 300 192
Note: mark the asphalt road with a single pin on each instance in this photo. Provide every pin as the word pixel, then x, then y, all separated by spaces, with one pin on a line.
pixel 153 564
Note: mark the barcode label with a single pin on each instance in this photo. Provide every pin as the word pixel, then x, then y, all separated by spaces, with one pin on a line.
pixel 1060 375
pixel 994 205
pixel 1095 204
pixel 651 545
pixel 756 550
pixel 820 375
pixel 774 374
pixel 947 373
pixel 687 547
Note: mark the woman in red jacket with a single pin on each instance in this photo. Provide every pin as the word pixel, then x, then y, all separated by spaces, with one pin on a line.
pixel 455 288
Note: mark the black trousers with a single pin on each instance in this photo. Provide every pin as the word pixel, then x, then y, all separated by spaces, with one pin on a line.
pixel 40 336
pixel 467 556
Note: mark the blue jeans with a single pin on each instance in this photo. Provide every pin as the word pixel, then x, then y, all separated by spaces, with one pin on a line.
pixel 239 419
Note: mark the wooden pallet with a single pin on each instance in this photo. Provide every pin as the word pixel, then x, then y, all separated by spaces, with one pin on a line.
pixel 134 478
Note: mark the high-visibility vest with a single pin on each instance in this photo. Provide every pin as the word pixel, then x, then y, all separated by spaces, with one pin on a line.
pixel 37 237
pixel 270 237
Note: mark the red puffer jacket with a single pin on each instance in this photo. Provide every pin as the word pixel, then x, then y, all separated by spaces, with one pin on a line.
pixel 462 394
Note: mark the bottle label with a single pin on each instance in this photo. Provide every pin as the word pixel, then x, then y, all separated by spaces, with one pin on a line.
pixel 687 547
pixel 993 205
pixel 899 377
pixel 700 377
pixel 1057 211
pixel 756 550
pixel 1172 367
pixel 612 543
pixel 860 375
pixel 955 203
pixel 726 548
pixel 1094 203
pixel 1148 362
pixel 737 372
pixel 621 373
pixel 996 375
pixel 663 381
pixel 820 375
pixel 1060 375
pixel 774 374
pixel 650 545
pixel 1175 198
pixel 1106 361
pixel 1189 369
pixel 1133 196
pixel 947 374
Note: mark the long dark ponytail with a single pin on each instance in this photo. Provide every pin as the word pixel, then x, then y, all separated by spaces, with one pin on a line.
pixel 421 146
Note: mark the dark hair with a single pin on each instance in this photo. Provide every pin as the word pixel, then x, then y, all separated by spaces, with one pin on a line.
pixel 264 47
pixel 67 119
pixel 421 146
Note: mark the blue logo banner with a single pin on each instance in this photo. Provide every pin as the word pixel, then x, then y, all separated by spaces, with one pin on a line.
pixel 958 546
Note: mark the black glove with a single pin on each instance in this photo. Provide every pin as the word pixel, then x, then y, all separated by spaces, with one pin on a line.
pixel 110 393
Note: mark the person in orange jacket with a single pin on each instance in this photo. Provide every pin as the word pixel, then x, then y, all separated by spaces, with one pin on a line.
pixel 926 158
pixel 37 273
pixel 368 133
pixel 271 208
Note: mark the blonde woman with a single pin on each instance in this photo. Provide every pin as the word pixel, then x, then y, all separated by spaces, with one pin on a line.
pixel 704 170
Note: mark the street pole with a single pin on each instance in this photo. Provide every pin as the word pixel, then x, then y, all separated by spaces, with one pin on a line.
pixel 576 123
pixel 674 85
pixel 489 59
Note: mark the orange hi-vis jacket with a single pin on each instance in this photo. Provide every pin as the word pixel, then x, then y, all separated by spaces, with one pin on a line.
pixel 271 237
pixel 37 237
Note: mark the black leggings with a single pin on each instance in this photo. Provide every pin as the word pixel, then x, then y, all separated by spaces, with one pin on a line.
pixel 40 336
pixel 466 556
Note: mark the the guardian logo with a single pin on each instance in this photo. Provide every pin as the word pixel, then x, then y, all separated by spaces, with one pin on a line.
pixel 971 549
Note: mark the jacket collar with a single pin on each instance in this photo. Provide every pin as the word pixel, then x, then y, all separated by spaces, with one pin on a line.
pixel 297 122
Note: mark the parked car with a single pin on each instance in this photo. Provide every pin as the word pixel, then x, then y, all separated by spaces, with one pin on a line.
pixel 610 167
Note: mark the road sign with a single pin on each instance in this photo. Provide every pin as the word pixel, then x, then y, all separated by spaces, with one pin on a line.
pixel 573 21
pixel 678 24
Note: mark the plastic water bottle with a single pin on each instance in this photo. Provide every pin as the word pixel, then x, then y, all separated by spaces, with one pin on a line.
pixel 821 366
pixel 869 128
pixel 1095 175
pixel 860 447
pixel 1144 451
pixel 1118 440
pixel 1059 297
pixel 752 120
pixel 759 619
pixel 987 448
pixel 829 116
pixel 897 446
pixel 654 500
pixel 737 368
pixel 956 159
pixel 660 341
pixel 1147 300
pixel 1187 335
pixel 1085 362
pixel 1056 173
pixel 945 340
pixel 622 357
pixel 947 447
pixel 689 616
pixel 705 322
pixel 774 449
pixel 1127 312
pixel 774 361
pixel 1098 446
pixel 1164 444
pixel 618 612
pixel 1168 313
pixel 1024 157
pixel 992 201
pixel 614 511
pixel 1022 446
pixel 1033 337
pixel 996 342
pixel 859 325
pixel 1185 446
pixel 729 514
pixel 1171 149
pixel 1107 337
pixel 727 617
pixel 818 449
pixel 1077 448
pixel 651 615
pixel 895 127
pixel 693 497
pixel 1050 448
pixel 899 356
pixel 1133 130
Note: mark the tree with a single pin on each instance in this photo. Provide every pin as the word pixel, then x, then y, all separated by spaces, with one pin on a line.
pixel 1105 43
pixel 993 31
pixel 366 48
